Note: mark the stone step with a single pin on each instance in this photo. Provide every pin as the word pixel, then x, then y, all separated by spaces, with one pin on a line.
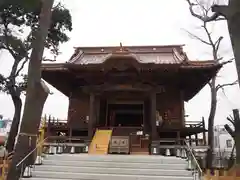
pixel 111 170
pixel 118 158
pixel 44 175
pixel 36 178
pixel 106 164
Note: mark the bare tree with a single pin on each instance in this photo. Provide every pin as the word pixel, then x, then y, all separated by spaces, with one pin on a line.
pixel 229 12
pixel 202 11
pixel 37 93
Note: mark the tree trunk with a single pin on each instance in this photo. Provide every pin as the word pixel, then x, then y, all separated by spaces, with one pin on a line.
pixel 234 29
pixel 236 133
pixel 237 143
pixel 211 122
pixel 236 136
pixel 15 123
pixel 37 93
pixel 232 13
pixel 30 123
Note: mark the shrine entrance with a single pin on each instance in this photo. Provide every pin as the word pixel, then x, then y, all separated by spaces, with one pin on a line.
pixel 125 114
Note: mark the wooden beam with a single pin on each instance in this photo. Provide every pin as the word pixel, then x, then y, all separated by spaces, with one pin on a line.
pixel 124 87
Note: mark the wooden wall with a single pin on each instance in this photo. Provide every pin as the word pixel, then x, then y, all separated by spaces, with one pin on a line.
pixel 78 110
pixel 170 101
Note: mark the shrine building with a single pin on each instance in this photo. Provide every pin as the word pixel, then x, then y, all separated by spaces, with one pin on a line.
pixel 131 94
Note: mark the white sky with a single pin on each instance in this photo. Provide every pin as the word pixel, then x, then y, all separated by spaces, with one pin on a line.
pixel 132 22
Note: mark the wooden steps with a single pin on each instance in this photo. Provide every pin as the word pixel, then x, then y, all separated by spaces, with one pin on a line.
pixel 100 142
pixel 139 151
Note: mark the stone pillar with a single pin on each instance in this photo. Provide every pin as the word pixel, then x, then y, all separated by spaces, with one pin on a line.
pixel 91 116
pixel 153 116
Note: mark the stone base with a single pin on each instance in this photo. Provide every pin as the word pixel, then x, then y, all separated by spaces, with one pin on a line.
pixel 154 148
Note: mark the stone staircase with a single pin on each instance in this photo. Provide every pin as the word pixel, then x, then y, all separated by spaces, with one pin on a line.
pixel 110 167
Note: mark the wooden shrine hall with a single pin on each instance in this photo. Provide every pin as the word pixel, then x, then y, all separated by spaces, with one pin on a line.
pixel 129 97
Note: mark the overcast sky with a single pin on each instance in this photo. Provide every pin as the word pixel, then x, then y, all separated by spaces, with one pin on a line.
pixel 145 22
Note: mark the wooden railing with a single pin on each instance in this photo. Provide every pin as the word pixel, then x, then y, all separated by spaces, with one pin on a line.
pixel 66 139
pixel 56 123
pixel 7 159
pixel 194 124
pixel 52 121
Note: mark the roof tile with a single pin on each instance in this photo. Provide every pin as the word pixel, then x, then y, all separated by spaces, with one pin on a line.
pixel 158 55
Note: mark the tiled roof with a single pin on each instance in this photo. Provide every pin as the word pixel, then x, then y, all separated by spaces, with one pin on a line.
pixel 143 54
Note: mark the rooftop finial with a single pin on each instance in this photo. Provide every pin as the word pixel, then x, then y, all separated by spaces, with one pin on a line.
pixel 121 47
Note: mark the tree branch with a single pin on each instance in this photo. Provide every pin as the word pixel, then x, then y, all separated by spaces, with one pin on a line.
pixel 210 84
pixel 221 86
pixel 209 37
pixel 22 66
pixel 2 79
pixel 229 61
pixel 197 37
pixel 7 47
pixel 218 42
pixel 203 18
pixel 221 19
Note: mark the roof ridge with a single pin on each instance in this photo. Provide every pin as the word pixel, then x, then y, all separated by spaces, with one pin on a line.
pixel 131 46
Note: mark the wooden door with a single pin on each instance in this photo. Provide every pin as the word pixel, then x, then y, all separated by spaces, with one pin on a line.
pixel 139 144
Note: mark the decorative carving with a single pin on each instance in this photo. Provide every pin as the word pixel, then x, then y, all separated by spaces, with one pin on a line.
pixel 120 50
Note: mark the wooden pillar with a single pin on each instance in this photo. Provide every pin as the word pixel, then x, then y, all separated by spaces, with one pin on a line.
pixel 96 110
pixel 144 120
pixel 70 134
pixel 182 109
pixel 147 116
pixel 106 117
pixel 190 140
pixel 196 139
pixel 91 116
pixel 204 133
pixel 178 138
pixel 48 126
pixel 153 116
